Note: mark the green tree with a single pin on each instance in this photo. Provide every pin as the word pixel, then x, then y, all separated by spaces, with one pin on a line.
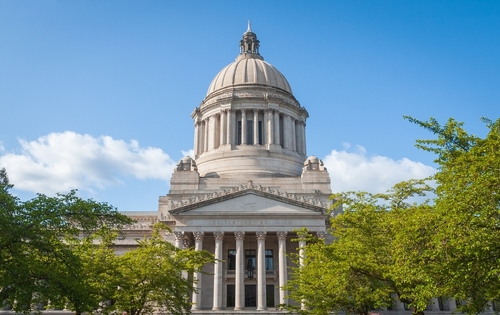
pixel 468 208
pixel 151 276
pixel 37 262
pixel 372 255
pixel 327 282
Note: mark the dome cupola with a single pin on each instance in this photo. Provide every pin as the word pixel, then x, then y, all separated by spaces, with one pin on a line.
pixel 249 121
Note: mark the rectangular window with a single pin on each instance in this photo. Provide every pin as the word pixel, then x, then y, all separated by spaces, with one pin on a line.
pixel 269 259
pixel 249 131
pixel 231 259
pixel 238 133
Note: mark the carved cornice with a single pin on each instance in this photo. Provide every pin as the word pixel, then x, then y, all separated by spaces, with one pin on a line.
pixel 311 203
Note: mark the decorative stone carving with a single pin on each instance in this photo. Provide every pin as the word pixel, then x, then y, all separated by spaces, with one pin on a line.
pixel 179 235
pixel 198 235
pixel 186 242
pixel 313 164
pixel 281 235
pixel 239 235
pixel 261 235
pixel 321 234
pixel 186 164
pixel 219 236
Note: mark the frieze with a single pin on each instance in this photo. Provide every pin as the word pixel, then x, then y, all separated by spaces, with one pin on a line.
pixel 249 222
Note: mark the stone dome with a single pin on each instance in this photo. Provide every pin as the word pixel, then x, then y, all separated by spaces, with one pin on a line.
pixel 249 69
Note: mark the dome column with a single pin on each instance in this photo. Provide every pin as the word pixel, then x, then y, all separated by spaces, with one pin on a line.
pixel 276 127
pixel 255 127
pixel 243 126
pixel 293 135
pixel 196 137
pixel 223 127
pixel 205 135
pixel 269 127
pixel 231 120
pixel 211 133
pixel 287 132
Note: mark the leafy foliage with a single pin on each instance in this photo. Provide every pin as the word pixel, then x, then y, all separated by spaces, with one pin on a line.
pixel 468 207
pixel 384 244
pixel 36 262
pixel 151 277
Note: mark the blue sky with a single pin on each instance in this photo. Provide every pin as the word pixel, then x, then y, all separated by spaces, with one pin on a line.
pixel 97 95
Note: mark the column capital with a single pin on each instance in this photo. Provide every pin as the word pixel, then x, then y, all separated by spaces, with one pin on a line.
pixel 281 235
pixel 198 235
pixel 261 235
pixel 219 236
pixel 179 235
pixel 239 235
pixel 321 234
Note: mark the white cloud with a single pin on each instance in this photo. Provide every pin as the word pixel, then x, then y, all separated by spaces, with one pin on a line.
pixel 60 162
pixel 355 170
pixel 188 153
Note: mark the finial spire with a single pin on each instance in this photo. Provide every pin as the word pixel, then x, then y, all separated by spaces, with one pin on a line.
pixel 249 44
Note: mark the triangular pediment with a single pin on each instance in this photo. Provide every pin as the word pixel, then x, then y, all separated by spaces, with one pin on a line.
pixel 249 199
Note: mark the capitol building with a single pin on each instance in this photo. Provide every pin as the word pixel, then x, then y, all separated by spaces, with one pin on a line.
pixel 248 187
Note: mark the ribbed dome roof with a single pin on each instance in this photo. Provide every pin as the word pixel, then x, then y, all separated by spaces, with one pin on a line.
pixel 249 71
pixel 249 68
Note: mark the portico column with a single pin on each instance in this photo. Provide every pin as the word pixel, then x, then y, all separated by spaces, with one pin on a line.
pixel 277 127
pixel 223 127
pixel 179 236
pixel 198 245
pixel 434 304
pixel 452 305
pixel 255 127
pixel 282 264
pixel 261 270
pixel 217 303
pixel 302 245
pixel 239 289
pixel 243 126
